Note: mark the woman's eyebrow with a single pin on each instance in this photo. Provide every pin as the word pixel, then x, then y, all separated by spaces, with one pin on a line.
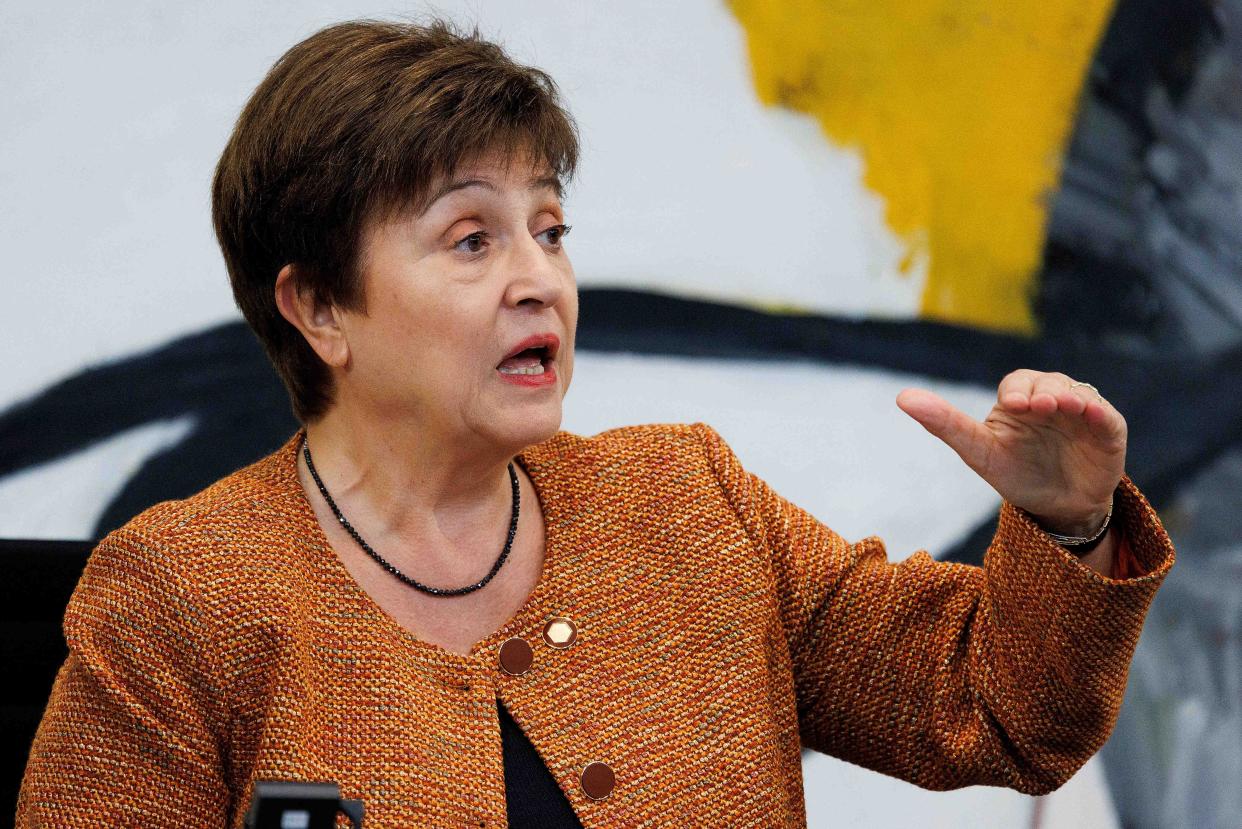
pixel 453 187
pixel 547 183
pixel 540 183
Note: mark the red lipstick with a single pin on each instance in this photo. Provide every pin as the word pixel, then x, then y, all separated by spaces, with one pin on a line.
pixel 531 362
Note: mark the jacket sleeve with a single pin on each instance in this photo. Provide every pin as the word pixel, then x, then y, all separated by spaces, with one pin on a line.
pixel 949 675
pixel 130 733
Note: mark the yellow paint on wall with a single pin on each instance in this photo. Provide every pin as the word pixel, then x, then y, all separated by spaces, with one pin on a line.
pixel 961 110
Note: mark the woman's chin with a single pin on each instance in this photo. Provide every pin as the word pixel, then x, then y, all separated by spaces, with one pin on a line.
pixel 519 429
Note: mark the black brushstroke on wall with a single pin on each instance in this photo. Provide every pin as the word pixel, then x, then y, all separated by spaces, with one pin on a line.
pixel 240 410
pixel 220 377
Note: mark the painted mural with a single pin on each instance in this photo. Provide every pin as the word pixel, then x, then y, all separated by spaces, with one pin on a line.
pixel 786 213
pixel 960 109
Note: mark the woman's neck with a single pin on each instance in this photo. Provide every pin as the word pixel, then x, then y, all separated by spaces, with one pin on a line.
pixel 402 481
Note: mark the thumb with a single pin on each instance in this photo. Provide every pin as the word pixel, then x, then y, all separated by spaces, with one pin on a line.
pixel 964 435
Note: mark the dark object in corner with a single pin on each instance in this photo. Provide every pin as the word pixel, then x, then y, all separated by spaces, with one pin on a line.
pixel 279 804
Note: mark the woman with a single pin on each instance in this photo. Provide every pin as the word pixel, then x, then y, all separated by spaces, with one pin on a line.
pixel 465 617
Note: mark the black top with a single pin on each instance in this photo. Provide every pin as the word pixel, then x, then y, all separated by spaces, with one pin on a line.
pixel 532 797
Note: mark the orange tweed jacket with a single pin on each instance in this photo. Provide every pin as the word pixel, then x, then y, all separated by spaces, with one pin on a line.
pixel 218 640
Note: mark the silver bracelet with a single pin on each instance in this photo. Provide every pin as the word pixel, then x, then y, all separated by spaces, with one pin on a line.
pixel 1074 542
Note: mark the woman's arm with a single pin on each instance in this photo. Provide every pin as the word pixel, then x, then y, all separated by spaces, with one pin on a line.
pixel 948 675
pixel 130 736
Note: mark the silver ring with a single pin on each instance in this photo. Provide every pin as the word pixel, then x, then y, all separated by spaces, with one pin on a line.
pixel 1098 396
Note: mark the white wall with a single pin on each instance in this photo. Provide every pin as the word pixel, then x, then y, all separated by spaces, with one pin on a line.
pixel 111 120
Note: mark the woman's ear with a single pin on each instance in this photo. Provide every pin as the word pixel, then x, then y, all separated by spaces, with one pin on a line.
pixel 318 321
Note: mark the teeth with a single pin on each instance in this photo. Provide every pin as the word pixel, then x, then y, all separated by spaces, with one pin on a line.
pixel 531 370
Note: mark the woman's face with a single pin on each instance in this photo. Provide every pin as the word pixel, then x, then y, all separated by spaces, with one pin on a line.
pixel 452 293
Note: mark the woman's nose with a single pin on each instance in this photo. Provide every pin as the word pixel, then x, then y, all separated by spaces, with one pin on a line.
pixel 537 278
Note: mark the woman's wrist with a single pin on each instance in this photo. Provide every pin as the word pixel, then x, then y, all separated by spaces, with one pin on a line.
pixel 1082 527
pixel 1103 559
pixel 1078 535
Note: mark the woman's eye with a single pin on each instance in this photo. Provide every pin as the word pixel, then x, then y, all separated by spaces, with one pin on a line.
pixel 474 243
pixel 555 234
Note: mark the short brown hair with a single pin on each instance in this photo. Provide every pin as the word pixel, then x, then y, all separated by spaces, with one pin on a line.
pixel 355 122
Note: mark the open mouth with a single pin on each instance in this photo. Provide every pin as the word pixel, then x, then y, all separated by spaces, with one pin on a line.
pixel 532 357
pixel 527 361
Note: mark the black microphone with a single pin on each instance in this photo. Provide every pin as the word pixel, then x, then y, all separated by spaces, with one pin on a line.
pixel 282 804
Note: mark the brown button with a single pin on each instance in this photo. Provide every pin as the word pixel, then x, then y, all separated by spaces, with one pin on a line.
pixel 598 780
pixel 560 633
pixel 516 656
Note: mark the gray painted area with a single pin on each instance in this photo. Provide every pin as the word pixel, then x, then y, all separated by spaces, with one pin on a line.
pixel 1144 242
pixel 1175 759
pixel 1151 201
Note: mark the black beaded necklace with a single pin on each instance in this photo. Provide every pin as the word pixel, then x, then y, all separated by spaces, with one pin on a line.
pixel 418 585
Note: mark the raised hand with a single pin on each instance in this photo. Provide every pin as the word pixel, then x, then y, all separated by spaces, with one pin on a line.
pixel 1050 445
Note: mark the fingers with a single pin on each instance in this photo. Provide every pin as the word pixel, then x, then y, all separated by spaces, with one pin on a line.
pixel 1044 393
pixel 963 434
pixel 1016 389
pixel 1105 422
pixel 1049 394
